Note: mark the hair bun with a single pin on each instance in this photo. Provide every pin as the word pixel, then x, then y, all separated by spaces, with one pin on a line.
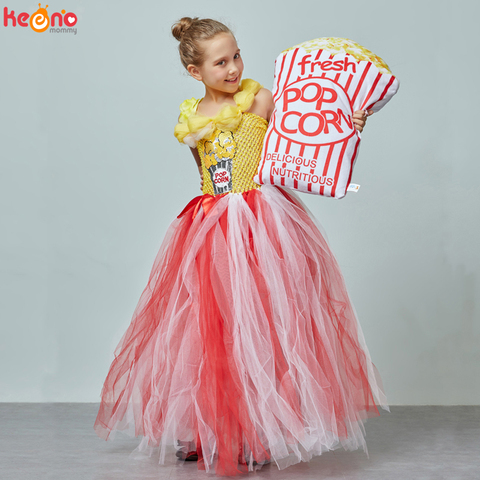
pixel 190 32
pixel 179 28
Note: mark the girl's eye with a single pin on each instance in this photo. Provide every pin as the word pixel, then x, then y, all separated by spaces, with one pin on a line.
pixel 222 62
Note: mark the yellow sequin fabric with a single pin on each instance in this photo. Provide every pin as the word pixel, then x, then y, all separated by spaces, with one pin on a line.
pixel 230 158
pixel 193 126
pixel 229 144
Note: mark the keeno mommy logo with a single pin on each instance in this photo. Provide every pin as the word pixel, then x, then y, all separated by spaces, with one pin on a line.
pixel 40 21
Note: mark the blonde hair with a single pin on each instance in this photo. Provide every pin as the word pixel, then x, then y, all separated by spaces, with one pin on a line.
pixel 190 32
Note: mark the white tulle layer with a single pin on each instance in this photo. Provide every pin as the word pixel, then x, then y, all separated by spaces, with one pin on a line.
pixel 244 344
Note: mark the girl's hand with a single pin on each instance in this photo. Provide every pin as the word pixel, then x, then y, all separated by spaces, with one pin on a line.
pixel 360 119
pixel 201 177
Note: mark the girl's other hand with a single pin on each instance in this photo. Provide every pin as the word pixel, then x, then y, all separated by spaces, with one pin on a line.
pixel 360 119
pixel 201 177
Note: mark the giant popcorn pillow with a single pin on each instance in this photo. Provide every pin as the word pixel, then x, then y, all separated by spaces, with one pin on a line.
pixel 311 143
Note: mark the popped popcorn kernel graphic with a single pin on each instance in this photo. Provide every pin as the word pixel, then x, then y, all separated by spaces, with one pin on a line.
pixel 218 156
pixel 335 45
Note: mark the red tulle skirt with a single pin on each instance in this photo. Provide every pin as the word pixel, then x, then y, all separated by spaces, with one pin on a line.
pixel 244 346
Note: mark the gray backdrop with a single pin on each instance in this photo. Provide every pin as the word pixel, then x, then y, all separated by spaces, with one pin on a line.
pixel 92 176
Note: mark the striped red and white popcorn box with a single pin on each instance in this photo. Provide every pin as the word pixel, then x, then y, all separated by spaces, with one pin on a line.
pixel 311 144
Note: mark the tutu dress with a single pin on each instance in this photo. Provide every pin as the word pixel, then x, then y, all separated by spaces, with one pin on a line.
pixel 244 345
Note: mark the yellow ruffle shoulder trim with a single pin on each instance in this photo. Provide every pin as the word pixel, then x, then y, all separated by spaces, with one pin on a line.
pixel 193 126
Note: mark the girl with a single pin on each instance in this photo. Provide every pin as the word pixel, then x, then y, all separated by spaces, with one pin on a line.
pixel 244 347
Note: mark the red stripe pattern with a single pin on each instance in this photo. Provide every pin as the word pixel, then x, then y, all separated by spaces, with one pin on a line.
pixel 311 144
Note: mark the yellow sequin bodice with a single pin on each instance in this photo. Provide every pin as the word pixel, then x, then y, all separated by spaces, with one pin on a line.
pixel 229 144
pixel 230 157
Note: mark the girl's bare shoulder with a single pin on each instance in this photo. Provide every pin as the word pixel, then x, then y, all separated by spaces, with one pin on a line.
pixel 263 104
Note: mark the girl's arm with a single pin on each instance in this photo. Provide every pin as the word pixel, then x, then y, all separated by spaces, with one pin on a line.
pixel 199 165
pixel 198 162
pixel 263 105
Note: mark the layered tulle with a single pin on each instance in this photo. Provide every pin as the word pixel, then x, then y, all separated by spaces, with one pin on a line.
pixel 244 345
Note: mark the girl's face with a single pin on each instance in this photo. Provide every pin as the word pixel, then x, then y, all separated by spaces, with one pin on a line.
pixel 222 67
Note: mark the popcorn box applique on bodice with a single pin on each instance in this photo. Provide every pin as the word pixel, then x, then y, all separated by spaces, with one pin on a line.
pixel 229 144
pixel 230 157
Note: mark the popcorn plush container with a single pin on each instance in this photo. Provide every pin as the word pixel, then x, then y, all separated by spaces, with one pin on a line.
pixel 219 154
pixel 311 144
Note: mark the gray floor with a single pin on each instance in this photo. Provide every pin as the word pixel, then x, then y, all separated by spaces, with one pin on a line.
pixel 57 441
